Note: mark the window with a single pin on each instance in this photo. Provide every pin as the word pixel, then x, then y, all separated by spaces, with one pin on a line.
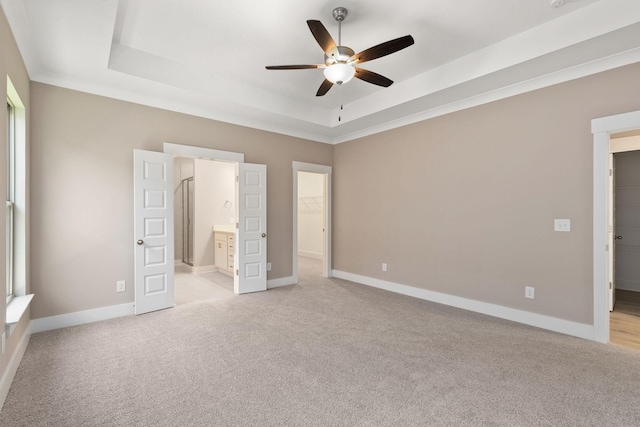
pixel 11 149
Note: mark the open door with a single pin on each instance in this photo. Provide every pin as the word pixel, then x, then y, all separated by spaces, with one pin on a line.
pixel 250 258
pixel 612 231
pixel 153 230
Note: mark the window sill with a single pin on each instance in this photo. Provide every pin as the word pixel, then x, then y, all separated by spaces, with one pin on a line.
pixel 15 309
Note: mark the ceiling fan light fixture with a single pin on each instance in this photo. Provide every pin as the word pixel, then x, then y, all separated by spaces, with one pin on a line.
pixel 339 73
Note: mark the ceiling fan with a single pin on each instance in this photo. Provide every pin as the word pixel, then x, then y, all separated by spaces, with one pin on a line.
pixel 340 62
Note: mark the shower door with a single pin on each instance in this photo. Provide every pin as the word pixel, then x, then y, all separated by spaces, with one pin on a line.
pixel 187 220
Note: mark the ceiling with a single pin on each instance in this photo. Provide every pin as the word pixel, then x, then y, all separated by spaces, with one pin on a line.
pixel 208 57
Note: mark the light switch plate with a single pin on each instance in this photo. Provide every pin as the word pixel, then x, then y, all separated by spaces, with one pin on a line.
pixel 529 292
pixel 561 225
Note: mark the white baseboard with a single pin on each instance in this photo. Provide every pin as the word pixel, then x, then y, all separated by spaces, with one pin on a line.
pixel 310 254
pixel 567 327
pixel 282 281
pixel 204 269
pixel 80 317
pixel 12 367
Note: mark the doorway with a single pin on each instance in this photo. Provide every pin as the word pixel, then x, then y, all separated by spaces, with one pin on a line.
pixel 153 212
pixel 204 198
pixel 625 241
pixel 310 223
pixel 602 129
pixel 311 220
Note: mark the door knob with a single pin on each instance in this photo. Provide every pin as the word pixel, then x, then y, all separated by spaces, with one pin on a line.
pixel 140 241
pixel 618 237
pixel 264 235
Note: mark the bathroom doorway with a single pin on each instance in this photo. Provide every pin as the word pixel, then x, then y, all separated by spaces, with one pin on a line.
pixel 204 202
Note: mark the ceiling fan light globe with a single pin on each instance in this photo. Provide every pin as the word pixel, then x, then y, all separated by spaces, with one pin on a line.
pixel 339 73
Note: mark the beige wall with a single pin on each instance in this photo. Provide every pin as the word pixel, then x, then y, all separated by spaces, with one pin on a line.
pixel 464 204
pixel 11 65
pixel 82 199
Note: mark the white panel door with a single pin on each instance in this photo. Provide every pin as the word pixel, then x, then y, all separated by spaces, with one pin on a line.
pixel 250 273
pixel 153 230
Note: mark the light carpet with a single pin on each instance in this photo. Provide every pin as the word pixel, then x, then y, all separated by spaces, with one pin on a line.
pixel 325 352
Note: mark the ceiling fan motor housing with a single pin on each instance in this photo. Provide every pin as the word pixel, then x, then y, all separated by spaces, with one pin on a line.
pixel 338 54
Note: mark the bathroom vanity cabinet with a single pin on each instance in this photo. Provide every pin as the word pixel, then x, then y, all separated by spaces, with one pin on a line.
pixel 225 247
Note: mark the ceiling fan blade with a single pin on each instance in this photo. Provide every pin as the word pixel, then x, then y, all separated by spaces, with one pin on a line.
pixel 371 77
pixel 383 49
pixel 292 67
pixel 321 35
pixel 324 87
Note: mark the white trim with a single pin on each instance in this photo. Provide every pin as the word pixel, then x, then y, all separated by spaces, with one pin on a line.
pixel 311 167
pixel 15 310
pixel 12 366
pixel 204 269
pixel 576 72
pixel 282 281
pixel 617 123
pixel 326 171
pixel 20 253
pixel 568 327
pixel 602 128
pixel 80 317
pixel 202 153
pixel 313 255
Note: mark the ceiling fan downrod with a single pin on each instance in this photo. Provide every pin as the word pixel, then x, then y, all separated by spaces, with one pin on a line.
pixel 339 13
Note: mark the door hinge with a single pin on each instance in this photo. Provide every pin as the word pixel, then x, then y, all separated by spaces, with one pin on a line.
pixel 610 172
pixel 237 225
pixel 606 248
pixel 237 272
pixel 237 178
pixel 610 285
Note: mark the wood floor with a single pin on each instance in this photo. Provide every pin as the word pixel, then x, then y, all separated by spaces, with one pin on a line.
pixel 625 320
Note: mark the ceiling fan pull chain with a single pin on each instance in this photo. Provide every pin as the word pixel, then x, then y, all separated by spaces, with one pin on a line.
pixel 341 105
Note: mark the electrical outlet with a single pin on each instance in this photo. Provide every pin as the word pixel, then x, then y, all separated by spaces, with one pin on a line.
pixel 561 225
pixel 384 266
pixel 121 286
pixel 268 266
pixel 529 292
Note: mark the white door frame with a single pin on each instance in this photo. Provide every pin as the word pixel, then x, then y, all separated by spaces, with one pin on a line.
pixel 326 172
pixel 602 128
